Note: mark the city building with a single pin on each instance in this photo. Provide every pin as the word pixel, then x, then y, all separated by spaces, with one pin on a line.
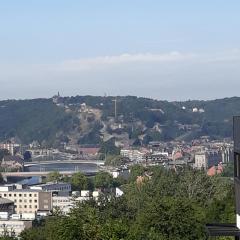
pixel 27 200
pixel 120 172
pixel 11 147
pixel 12 162
pixel 14 227
pixel 200 160
pixel 207 159
pixel 133 155
pixel 54 187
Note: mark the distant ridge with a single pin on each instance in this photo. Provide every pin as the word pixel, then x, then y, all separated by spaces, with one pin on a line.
pixel 86 119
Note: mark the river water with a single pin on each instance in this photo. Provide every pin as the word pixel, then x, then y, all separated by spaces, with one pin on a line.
pixel 88 168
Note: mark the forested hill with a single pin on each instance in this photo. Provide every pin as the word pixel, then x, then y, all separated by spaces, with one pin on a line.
pixel 88 119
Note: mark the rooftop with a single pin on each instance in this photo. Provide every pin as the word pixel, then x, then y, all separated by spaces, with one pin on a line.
pixel 215 230
pixel 5 201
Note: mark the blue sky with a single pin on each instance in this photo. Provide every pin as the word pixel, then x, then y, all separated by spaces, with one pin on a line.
pixel 168 49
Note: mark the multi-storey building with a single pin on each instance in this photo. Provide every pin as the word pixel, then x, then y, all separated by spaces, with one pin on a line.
pixel 207 159
pixel 133 155
pixel 11 147
pixel 27 200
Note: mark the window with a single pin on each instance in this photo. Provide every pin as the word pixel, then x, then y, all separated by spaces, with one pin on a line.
pixel 25 206
pixel 35 206
pixel 25 195
pixel 20 194
pixel 20 200
pixel 9 194
pixel 25 200
pixel 30 195
pixel 35 195
pixel 15 195
pixel 30 206
pixel 4 194
pixel 30 200
pixel 35 200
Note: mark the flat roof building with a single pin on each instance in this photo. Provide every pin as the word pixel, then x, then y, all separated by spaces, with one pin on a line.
pixel 28 200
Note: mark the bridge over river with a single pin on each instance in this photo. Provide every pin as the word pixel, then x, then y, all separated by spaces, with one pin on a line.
pixel 40 174
pixel 44 171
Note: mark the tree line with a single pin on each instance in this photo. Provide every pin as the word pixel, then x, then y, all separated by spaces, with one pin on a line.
pixel 157 204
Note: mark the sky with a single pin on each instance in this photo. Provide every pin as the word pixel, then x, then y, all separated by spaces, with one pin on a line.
pixel 163 49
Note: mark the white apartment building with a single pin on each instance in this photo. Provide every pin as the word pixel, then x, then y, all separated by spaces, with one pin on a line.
pixel 133 155
pixel 66 203
pixel 200 160
pixel 27 200
pixel 10 147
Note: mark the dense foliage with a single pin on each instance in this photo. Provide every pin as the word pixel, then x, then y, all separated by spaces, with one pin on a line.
pixel 30 120
pixel 160 205
pixel 41 120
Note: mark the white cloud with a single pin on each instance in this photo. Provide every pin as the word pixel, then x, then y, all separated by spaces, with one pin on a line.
pixel 109 61
pixel 173 75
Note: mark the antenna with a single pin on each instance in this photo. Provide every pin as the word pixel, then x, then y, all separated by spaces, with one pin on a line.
pixel 115 108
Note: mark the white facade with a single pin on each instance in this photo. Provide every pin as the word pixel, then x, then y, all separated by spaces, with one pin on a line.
pixel 14 227
pixel 133 155
pixel 200 161
pixel 51 186
pixel 10 147
pixel 119 192
pixel 28 200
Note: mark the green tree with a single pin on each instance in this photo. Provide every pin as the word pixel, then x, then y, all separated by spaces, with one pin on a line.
pixel 172 218
pixel 103 180
pixel 79 181
pixel 54 176
pixel 135 171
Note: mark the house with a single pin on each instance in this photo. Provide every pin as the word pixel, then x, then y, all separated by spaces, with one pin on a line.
pixel 88 151
pixel 12 162
pixel 215 170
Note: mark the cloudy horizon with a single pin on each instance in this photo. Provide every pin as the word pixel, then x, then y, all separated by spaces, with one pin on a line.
pixel 151 49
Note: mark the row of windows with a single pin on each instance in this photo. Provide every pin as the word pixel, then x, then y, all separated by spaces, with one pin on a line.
pixel 58 189
pixel 25 200
pixel 25 206
pixel 61 201
pixel 19 195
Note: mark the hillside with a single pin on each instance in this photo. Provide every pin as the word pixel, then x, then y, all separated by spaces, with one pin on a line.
pixel 37 119
pixel 90 119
